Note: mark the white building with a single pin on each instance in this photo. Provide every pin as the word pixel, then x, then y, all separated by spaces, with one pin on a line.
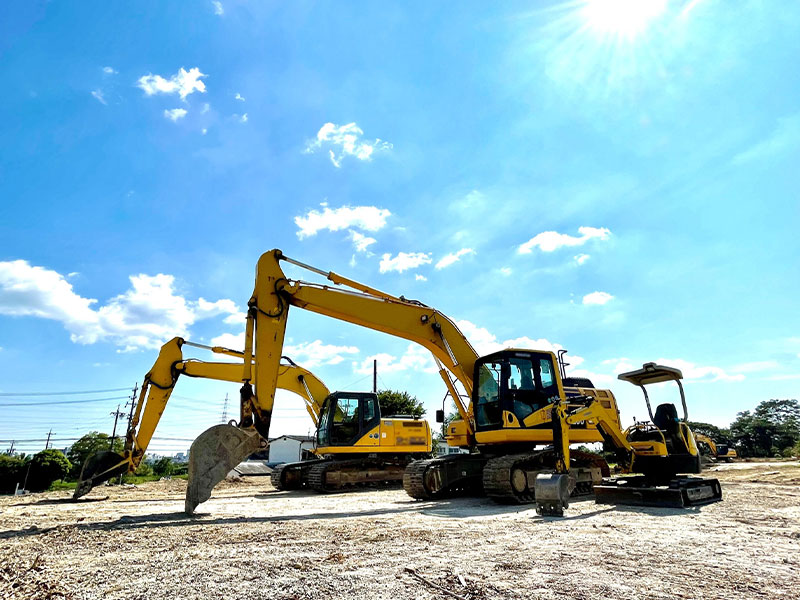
pixel 289 448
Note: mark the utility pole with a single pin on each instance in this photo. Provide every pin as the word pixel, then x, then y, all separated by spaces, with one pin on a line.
pixel 116 414
pixel 375 375
pixel 132 402
pixel 47 443
pixel 224 418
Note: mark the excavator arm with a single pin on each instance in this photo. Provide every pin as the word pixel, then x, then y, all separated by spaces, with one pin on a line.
pixel 362 305
pixel 156 390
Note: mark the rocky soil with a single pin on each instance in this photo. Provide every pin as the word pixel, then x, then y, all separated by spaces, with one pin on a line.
pixel 250 541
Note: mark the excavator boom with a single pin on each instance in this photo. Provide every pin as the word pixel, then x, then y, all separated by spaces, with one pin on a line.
pixel 219 449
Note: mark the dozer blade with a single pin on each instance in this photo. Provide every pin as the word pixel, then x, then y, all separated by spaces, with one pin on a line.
pixel 99 467
pixel 679 493
pixel 212 456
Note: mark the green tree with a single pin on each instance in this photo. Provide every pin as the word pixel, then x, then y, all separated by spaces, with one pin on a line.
pixel 164 466
pixel 769 430
pixel 718 434
pixel 399 403
pixel 86 446
pixel 47 466
pixel 144 469
pixel 12 472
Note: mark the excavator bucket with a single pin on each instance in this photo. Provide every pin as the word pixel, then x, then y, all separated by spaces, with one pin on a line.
pixel 99 467
pixel 212 456
pixel 552 491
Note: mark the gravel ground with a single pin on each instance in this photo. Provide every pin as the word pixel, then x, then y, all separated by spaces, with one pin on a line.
pixel 250 541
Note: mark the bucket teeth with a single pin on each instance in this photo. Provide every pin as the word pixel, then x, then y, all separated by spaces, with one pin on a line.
pixel 212 456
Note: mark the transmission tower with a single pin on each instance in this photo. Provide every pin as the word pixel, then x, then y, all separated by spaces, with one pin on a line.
pixel 224 418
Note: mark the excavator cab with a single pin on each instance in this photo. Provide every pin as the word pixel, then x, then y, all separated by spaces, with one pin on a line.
pixel 513 385
pixel 346 417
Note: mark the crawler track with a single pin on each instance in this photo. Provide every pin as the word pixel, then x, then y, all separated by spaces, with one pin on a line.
pixel 342 475
pixel 505 479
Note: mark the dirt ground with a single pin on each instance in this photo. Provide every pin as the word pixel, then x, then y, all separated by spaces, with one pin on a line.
pixel 250 541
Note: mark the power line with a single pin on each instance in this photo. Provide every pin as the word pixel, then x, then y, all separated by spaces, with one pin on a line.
pixel 62 393
pixel 73 439
pixel 2 405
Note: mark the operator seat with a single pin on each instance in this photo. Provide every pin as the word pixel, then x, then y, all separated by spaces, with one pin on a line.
pixel 666 419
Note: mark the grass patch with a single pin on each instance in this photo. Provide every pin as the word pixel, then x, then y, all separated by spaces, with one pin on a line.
pixel 62 485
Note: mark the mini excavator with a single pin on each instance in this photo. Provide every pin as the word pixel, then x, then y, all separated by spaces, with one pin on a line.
pixel 653 456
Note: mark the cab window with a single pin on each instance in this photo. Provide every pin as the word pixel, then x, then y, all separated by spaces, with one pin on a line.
pixel 345 421
pixel 488 411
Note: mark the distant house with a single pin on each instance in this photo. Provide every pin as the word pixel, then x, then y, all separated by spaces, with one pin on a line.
pixel 289 448
pixel 444 449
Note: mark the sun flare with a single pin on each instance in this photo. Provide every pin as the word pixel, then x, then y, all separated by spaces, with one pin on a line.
pixel 625 18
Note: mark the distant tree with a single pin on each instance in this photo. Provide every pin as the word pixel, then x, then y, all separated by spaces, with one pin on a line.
pixel 47 466
pixel 86 446
pixel 12 472
pixel 717 434
pixel 772 428
pixel 164 466
pixel 399 403
pixel 145 468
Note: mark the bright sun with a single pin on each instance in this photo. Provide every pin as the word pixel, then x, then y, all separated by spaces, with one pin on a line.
pixel 625 18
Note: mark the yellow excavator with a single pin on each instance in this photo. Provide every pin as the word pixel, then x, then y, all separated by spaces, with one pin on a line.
pixel 653 456
pixel 354 446
pixel 721 451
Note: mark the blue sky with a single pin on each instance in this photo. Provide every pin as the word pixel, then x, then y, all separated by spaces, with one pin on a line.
pixel 616 178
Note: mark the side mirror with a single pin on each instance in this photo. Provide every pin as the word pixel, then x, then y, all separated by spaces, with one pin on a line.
pixel 440 416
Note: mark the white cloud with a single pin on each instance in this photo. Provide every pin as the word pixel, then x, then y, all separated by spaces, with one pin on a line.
pixel 485 342
pixel 98 95
pixel 361 241
pixel 784 138
pixel 403 261
pixel 581 258
pixel 204 131
pixel 548 241
pixel 205 109
pixel 183 83
pixel 233 341
pixel 218 8
pixel 243 118
pixel 145 316
pixel 416 358
pixel 346 140
pixel 690 370
pixel 419 277
pixel 239 97
pixel 453 257
pixel 370 218
pixel 505 271
pixel 597 298
pixel 313 354
pixel 762 366
pixel 694 372
pixel 175 114
pixel 109 71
